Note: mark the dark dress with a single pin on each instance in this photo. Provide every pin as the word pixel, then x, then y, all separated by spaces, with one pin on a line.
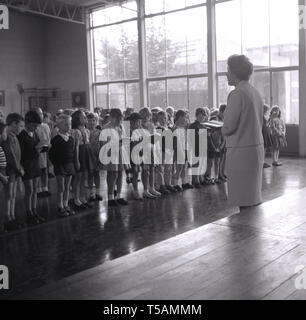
pixel 29 155
pixel 266 134
pixel 62 156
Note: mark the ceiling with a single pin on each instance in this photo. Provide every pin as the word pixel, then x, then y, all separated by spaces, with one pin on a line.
pixel 88 3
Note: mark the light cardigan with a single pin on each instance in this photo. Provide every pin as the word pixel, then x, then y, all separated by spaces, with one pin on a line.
pixel 243 117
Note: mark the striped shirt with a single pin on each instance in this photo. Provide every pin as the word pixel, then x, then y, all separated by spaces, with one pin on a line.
pixel 2 159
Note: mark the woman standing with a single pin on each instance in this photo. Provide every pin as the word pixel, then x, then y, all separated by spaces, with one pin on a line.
pixel 243 121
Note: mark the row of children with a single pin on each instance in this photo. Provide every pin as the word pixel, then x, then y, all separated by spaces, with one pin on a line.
pixel 71 146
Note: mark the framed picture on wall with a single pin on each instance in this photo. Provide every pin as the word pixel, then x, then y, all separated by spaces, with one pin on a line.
pixel 38 102
pixel 2 98
pixel 78 99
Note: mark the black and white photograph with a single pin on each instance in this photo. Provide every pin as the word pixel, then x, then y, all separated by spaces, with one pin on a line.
pixel 153 150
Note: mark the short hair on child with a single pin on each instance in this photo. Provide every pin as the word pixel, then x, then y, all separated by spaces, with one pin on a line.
pixel 161 113
pixel 222 108
pixel 278 109
pixel 116 113
pixel 200 111
pixel 76 119
pixel 169 108
pixel 32 117
pixel 62 118
pixel 144 112
pixel 92 115
pixel 14 118
pixel 179 114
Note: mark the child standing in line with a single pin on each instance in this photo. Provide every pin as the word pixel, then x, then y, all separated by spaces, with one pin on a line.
pixel 278 134
pixel 160 169
pixel 222 174
pixel 3 176
pixel 94 174
pixel 201 117
pixel 179 146
pixel 30 149
pixel 147 174
pixel 211 154
pixel 14 170
pixel 62 156
pixel 115 170
pixel 217 139
pixel 135 123
pixel 81 138
pixel 44 135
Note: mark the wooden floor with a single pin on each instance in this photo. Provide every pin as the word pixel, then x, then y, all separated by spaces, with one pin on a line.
pixel 177 245
pixel 251 255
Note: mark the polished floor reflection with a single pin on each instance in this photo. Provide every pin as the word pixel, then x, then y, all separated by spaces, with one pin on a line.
pixel 62 247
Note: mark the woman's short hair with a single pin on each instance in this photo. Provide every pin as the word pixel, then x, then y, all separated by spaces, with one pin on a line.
pixel 240 66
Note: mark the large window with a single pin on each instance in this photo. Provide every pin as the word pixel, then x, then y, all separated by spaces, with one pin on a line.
pixel 267 32
pixel 115 51
pixel 174 46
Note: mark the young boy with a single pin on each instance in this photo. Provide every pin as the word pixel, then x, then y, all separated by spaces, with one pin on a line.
pixel 62 157
pixel 161 168
pixel 94 174
pixel 179 144
pixel 15 124
pixel 30 150
pixel 44 135
pixel 201 116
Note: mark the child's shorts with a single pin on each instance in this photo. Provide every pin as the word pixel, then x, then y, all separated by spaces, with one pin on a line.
pixel 66 169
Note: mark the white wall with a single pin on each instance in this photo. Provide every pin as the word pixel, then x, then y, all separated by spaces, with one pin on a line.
pixel 21 57
pixel 42 52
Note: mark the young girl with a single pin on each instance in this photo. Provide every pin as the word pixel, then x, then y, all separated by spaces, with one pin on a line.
pixel 62 156
pixel 160 169
pixel 3 176
pixel 222 175
pixel 30 150
pixel 94 174
pixel 44 135
pixel 278 134
pixel 15 124
pixel 135 123
pixel 81 138
pixel 147 174
pixel 217 139
pixel 266 133
pixel 114 170
pixel 212 151
pixel 180 122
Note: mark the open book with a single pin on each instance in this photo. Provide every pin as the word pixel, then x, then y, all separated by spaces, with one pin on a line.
pixel 213 124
